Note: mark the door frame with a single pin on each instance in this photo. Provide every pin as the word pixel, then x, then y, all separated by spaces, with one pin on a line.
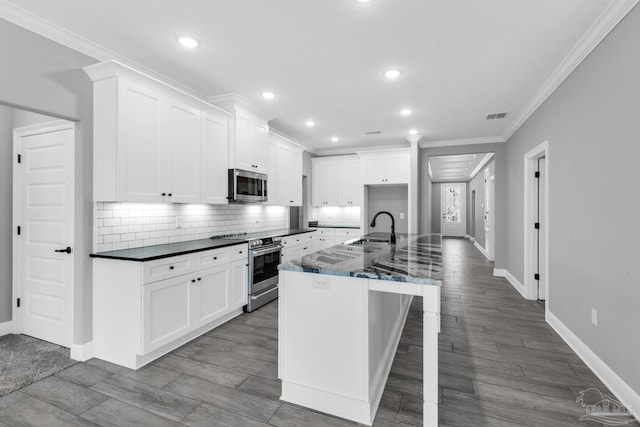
pixel 18 134
pixel 530 205
pixel 465 188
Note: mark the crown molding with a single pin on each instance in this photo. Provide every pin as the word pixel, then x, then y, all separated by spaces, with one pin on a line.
pixel 36 24
pixel 288 140
pixel 606 22
pixel 231 101
pixel 462 141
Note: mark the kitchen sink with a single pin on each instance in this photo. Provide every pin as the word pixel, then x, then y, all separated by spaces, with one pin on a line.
pixel 367 241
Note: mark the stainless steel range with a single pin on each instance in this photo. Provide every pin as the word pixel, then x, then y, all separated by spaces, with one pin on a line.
pixel 264 257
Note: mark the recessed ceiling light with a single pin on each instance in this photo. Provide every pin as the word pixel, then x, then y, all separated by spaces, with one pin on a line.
pixel 392 74
pixel 413 132
pixel 188 42
pixel 406 111
pixel 310 123
pixel 335 138
pixel 268 95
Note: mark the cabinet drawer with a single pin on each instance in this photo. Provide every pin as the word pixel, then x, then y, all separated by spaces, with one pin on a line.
pixel 239 252
pixel 294 240
pixel 343 235
pixel 212 258
pixel 166 268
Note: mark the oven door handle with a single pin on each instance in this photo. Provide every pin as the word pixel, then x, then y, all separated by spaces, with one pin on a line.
pixel 264 293
pixel 256 253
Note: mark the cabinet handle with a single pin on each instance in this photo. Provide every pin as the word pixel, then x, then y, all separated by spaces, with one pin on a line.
pixel 199 278
pixel 171 267
pixel 193 280
pixel 240 252
pixel 169 194
pixel 215 257
pixel 290 201
pixel 163 194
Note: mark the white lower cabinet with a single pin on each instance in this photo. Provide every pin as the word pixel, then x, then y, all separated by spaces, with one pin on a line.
pixel 142 310
pixel 297 246
pixel 327 237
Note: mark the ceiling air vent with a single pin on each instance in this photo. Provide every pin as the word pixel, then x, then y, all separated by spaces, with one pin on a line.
pixel 496 116
pixel 373 132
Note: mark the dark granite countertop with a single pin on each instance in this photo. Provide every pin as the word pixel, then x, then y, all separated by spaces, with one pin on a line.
pixel 416 258
pixel 150 253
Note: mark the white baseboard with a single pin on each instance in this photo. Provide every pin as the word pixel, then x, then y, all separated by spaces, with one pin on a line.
pixel 7 328
pixel 82 352
pixel 481 249
pixel 473 239
pixel 628 397
pixel 501 272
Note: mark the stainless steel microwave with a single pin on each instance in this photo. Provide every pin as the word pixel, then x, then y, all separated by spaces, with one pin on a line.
pixel 247 186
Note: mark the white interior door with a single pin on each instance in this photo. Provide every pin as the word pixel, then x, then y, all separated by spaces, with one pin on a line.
pixel 44 207
pixel 453 209
pixel 489 192
pixel 541 231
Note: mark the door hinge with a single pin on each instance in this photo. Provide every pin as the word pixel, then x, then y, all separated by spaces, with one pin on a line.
pixel 536 276
pixel 537 175
pixel 18 303
pixel 19 230
pixel 536 225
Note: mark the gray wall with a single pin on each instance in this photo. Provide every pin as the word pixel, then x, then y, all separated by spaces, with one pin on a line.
pixel 394 199
pixel 6 223
pixel 47 78
pixel 475 226
pixel 592 125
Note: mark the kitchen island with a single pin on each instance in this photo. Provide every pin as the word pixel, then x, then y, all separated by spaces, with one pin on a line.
pixel 341 315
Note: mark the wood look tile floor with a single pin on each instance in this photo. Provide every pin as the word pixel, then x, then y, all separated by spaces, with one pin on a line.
pixel 500 365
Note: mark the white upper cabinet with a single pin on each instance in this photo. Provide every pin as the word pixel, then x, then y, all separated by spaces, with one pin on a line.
pixel 324 172
pixel 386 167
pixel 154 143
pixel 248 133
pixel 350 187
pixel 284 175
pixel 336 181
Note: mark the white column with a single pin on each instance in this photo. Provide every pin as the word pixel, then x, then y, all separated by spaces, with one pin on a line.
pixel 431 327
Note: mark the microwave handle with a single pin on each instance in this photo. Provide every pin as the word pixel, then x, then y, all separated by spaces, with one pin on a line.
pixel 264 186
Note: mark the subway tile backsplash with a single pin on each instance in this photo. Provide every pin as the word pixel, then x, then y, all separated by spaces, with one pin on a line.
pixel 333 215
pixel 131 225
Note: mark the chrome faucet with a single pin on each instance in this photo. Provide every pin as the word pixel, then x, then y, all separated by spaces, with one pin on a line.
pixel 393 225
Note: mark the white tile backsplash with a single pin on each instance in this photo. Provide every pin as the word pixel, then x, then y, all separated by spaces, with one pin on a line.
pixel 131 225
pixel 333 215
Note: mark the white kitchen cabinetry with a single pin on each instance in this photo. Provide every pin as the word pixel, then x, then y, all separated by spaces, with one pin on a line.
pixel 297 246
pixel 149 142
pixel 324 190
pixel 214 166
pixel 248 133
pixel 142 310
pixel 349 181
pixel 327 237
pixel 386 167
pixel 336 181
pixel 284 176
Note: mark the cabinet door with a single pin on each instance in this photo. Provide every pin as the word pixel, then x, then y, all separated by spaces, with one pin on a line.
pixel 210 298
pixel 397 169
pixel 182 132
pixel 325 183
pixel 141 152
pixel 290 176
pixel 349 182
pixel 273 174
pixel 165 311
pixel 259 146
pixel 374 170
pixel 251 139
pixel 239 284
pixel 214 163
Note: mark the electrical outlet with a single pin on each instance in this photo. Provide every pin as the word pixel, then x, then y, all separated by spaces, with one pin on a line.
pixel 179 220
pixel 401 215
pixel 594 317
pixel 321 283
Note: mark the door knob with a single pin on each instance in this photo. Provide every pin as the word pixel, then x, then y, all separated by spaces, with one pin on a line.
pixel 67 250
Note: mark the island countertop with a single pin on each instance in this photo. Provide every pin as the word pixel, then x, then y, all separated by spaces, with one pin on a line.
pixel 415 258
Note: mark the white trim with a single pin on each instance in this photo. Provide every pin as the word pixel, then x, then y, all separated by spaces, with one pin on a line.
pixel 462 141
pixel 472 239
pixel 481 165
pixel 481 249
pixel 501 272
pixel 530 256
pixel 82 352
pixel 34 23
pixel 628 397
pixel 7 328
pixel 610 17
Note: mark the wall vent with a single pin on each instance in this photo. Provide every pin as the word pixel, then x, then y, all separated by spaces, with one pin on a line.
pixel 373 132
pixel 496 116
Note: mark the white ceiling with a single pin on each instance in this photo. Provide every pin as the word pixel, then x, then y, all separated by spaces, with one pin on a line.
pixel 325 59
pixel 458 168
